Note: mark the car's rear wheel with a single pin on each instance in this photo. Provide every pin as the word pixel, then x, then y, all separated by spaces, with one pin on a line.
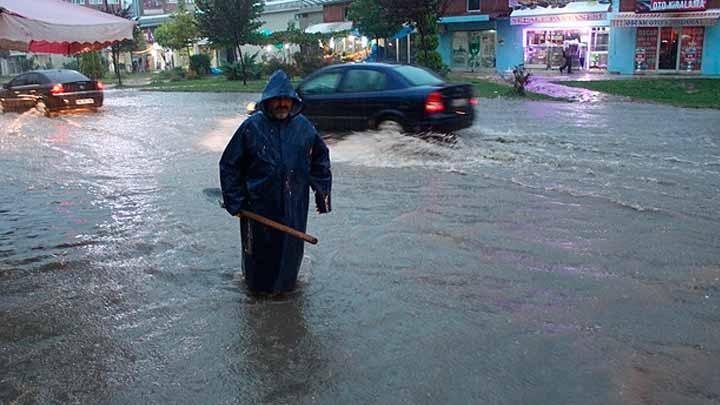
pixel 390 125
pixel 41 107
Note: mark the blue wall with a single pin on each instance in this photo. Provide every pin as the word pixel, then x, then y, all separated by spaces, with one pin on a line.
pixel 509 48
pixel 711 51
pixel 445 47
pixel 621 54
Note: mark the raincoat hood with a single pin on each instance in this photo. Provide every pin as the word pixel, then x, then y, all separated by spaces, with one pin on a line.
pixel 280 86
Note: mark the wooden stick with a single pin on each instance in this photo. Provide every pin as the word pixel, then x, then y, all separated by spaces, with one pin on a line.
pixel 280 227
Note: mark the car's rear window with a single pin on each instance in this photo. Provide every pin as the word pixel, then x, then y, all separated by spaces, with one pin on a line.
pixel 418 77
pixel 65 76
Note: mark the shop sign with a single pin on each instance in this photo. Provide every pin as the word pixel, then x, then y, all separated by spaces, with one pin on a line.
pixel 698 19
pixel 658 6
pixel 558 18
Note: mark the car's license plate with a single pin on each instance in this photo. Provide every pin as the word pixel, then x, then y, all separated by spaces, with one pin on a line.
pixel 460 102
pixel 84 101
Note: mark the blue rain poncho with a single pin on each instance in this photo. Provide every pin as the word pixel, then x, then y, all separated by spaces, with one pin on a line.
pixel 268 168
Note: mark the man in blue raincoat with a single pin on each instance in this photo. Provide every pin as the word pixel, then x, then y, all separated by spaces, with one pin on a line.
pixel 268 168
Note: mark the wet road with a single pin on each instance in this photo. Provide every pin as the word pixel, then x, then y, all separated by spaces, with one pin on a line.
pixel 557 253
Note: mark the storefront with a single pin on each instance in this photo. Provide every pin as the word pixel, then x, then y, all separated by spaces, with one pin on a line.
pixel 468 43
pixel 579 30
pixel 669 36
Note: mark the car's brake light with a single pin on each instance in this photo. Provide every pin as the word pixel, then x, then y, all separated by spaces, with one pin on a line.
pixel 434 103
pixel 57 89
pixel 99 85
pixel 473 100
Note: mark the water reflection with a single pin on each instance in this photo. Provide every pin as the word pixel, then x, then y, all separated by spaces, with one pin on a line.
pixel 278 352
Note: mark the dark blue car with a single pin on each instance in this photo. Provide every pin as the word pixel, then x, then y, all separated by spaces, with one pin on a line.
pixel 377 95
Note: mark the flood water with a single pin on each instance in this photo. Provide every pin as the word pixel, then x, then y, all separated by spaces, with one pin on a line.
pixel 556 253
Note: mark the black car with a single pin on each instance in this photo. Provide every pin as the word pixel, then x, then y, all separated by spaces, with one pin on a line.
pixel 51 91
pixel 376 95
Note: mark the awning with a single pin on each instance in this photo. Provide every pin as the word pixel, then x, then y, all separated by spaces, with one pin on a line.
pixel 405 31
pixel 327 28
pixel 464 19
pixel 149 21
pixel 54 26
pixel 576 11
pixel 696 18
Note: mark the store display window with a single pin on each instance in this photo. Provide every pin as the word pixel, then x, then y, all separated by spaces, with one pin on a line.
pixel 669 48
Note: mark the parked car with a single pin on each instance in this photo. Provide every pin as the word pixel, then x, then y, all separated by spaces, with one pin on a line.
pixel 360 96
pixel 51 91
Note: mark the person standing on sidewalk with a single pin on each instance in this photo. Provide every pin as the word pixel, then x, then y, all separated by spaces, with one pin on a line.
pixel 567 64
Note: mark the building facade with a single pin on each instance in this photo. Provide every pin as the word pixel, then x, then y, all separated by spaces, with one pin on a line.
pixel 662 36
pixel 544 37
pixel 468 33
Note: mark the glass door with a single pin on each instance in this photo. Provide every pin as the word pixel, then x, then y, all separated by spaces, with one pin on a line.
pixel 460 50
pixel 668 55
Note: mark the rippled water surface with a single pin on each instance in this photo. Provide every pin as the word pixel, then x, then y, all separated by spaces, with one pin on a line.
pixel 555 253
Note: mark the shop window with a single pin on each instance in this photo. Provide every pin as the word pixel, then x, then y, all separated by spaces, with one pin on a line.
pixel 646 48
pixel 599 45
pixel 669 48
pixel 362 80
pixel 691 48
pixel 473 5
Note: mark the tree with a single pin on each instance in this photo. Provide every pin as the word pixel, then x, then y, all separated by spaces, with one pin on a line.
pixel 423 16
pixel 91 65
pixel 137 43
pixel 230 23
pixel 372 20
pixel 179 33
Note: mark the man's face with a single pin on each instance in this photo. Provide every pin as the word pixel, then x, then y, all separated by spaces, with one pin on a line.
pixel 280 107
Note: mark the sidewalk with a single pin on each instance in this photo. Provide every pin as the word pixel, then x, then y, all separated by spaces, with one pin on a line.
pixel 550 84
pixel 547 83
pixel 129 82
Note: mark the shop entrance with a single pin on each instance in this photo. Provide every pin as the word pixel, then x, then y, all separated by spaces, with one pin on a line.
pixel 668 57
pixel 586 47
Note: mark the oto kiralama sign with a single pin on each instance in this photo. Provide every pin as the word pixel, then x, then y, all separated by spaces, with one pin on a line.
pixel 658 6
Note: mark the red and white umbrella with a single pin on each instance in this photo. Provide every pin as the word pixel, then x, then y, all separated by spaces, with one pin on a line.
pixel 54 26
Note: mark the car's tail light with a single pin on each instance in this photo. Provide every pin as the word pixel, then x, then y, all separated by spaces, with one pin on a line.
pixel 57 89
pixel 434 103
pixel 99 85
pixel 473 100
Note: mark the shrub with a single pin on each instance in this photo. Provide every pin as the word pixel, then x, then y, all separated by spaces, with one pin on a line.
pixel 433 62
pixel 74 65
pixel 234 71
pixel 428 56
pixel 273 64
pixel 307 63
pixel 520 79
pixel 174 75
pixel 91 65
pixel 200 64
